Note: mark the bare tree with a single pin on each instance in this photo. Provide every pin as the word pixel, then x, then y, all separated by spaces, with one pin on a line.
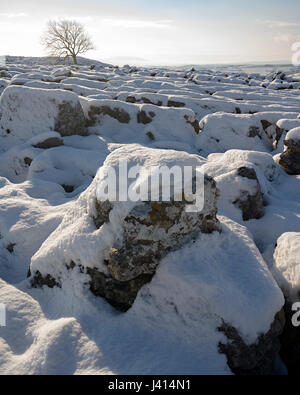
pixel 66 38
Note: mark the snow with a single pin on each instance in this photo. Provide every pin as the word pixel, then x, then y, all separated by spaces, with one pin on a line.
pixel 67 166
pixel 176 315
pixel 84 82
pixel 293 134
pixel 148 116
pixel 287 264
pixel 27 219
pixel 288 124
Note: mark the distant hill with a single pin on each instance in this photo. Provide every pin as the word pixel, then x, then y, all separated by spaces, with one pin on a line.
pixel 48 60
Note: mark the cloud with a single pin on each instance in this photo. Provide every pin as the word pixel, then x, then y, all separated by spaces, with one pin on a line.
pixel 12 15
pixel 277 24
pixel 81 18
pixel 286 38
pixel 138 23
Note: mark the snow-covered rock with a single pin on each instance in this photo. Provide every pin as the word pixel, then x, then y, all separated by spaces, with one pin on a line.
pixel 61 72
pixel 132 123
pixel 245 180
pixel 290 159
pixel 287 264
pixel 221 132
pixel 147 230
pixel 26 112
pixel 84 82
pixel 26 219
pixel 69 167
pixel 262 162
pixel 288 124
pixel 293 136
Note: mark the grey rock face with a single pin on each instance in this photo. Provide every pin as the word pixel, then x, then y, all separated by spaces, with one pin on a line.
pixel 272 131
pixel 252 205
pixel 27 161
pixel 154 103
pixel 49 143
pixel 116 113
pixel 265 124
pixel 39 280
pixel 70 120
pixel 177 104
pixel 151 136
pixel 145 100
pixel 120 295
pixel 290 158
pixel 131 99
pixel 195 124
pixel 150 231
pixel 254 132
pixel 144 118
pixel 254 359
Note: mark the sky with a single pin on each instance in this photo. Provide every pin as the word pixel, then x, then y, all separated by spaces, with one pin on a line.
pixel 161 32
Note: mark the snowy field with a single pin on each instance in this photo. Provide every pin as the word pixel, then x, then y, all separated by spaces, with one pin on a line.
pixel 58 126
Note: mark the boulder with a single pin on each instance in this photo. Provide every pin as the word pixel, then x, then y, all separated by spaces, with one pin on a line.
pixel 16 162
pixel 146 233
pixel 240 189
pixel 253 359
pixel 290 159
pixel 150 231
pixel 61 73
pixel 220 132
pixel 27 112
pixel 129 122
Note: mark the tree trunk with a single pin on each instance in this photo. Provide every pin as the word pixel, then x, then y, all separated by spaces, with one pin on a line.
pixel 74 59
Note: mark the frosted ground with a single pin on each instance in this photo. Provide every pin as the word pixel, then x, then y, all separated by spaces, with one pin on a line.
pixel 59 125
